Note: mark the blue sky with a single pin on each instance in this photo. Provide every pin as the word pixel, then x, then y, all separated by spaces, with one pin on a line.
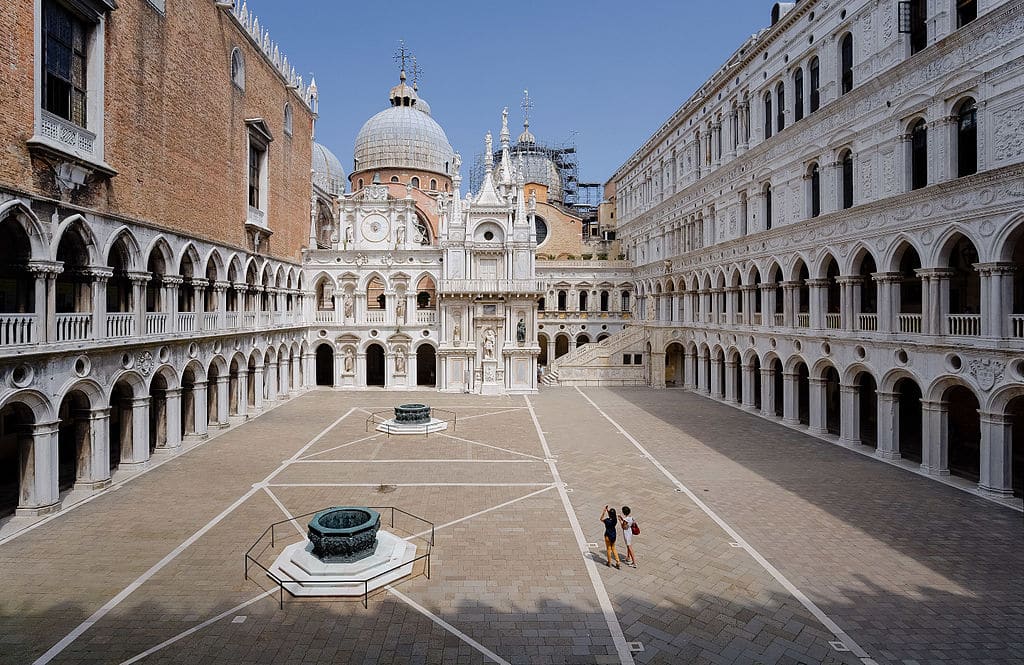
pixel 603 73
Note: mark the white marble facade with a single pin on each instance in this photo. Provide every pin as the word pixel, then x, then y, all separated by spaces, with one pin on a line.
pixel 854 264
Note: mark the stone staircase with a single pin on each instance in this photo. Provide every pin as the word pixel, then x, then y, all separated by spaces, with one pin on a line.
pixel 599 363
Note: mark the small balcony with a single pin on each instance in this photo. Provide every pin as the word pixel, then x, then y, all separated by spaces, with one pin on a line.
pixel 867 322
pixel 325 316
pixel 426 317
pixel 156 323
pixel 833 321
pixel 120 324
pixel 1017 325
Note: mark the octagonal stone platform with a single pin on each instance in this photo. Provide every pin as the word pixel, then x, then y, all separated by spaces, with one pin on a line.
pixel 302 574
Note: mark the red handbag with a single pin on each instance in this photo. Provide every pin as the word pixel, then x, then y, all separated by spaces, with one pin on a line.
pixel 635 528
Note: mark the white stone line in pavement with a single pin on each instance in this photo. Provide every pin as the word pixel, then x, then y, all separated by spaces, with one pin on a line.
pixel 194 629
pixel 447 626
pixel 487 445
pixel 811 607
pixel 291 518
pixel 482 512
pixel 484 415
pixel 618 638
pixel 344 445
pixel 418 461
pixel 184 450
pixel 408 484
pixel 68 639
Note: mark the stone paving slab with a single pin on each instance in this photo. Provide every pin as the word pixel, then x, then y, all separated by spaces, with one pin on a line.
pixel 913 570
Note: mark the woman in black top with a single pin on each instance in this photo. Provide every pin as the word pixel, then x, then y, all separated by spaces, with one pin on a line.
pixel 610 521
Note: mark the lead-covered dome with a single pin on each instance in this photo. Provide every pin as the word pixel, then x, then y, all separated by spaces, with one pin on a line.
pixel 328 173
pixel 403 137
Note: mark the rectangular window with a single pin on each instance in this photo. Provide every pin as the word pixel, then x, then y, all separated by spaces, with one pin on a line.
pixel 627 359
pixel 65 38
pixel 815 80
pixel 918 26
pixel 255 173
pixel 638 359
pixel 966 11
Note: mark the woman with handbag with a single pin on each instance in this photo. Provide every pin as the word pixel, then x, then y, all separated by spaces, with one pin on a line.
pixel 629 529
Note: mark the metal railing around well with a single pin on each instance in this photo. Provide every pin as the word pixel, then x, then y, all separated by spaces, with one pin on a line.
pixel 381 417
pixel 269 539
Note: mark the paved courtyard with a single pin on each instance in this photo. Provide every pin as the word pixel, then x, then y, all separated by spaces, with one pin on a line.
pixel 759 545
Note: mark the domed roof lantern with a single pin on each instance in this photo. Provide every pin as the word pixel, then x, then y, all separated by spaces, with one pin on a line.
pixel 401 94
pixel 527 136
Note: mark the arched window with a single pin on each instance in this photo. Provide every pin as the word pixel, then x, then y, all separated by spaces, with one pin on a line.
pixel 846 63
pixel 966 11
pixel 394 178
pixel 604 301
pixel 767 117
pixel 237 69
pixel 918 154
pixel 814 181
pixel 767 206
pixel 814 74
pixel 798 94
pixel 415 182
pixel 967 138
pixel 433 185
pixel 583 301
pixel 561 301
pixel 625 301
pixel 360 183
pixel 846 173
pixel 288 119
pixel 780 102
pixel 375 298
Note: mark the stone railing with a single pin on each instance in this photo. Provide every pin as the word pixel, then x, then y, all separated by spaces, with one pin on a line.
pixel 67 133
pixel 74 327
pixel 1017 325
pixel 964 324
pixel 120 324
pixel 588 353
pixel 426 317
pixel 867 322
pixel 16 329
pixel 511 286
pixel 909 323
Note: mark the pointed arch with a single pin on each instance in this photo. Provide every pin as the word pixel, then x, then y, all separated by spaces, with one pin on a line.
pixel 124 242
pixel 18 212
pixel 78 225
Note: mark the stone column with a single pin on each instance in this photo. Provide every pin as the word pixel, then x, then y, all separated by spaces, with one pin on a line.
pixel 199 403
pixel 849 415
pixel 729 389
pixel 996 454
pixel 173 397
pixel 767 304
pixel 849 302
pixel 139 281
pixel 45 299
pixel 223 400
pixel 99 301
pixel 768 395
pixel 935 303
pixel 172 284
pixel 703 380
pixel 136 456
pixel 258 385
pixel 888 425
pixel 888 300
pixel 691 370
pixel 790 398
pixel 717 389
pixel 935 449
pixel 243 394
pixel 749 376
pixel 270 381
pixel 818 303
pixel 94 458
pixel 199 308
pixel 818 406
pixel 39 492
pixel 791 303
pixel 996 298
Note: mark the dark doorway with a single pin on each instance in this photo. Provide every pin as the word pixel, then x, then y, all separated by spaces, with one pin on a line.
pixel 833 413
pixel 867 397
pixel 803 394
pixel 778 381
pixel 16 422
pixel 324 365
pixel 426 366
pixel 910 423
pixel 963 432
pixel 1016 412
pixel 756 378
pixel 375 365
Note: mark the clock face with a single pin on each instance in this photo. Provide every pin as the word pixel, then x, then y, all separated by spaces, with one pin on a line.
pixel 375 228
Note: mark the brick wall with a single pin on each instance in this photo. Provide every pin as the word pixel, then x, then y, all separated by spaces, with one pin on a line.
pixel 175 125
